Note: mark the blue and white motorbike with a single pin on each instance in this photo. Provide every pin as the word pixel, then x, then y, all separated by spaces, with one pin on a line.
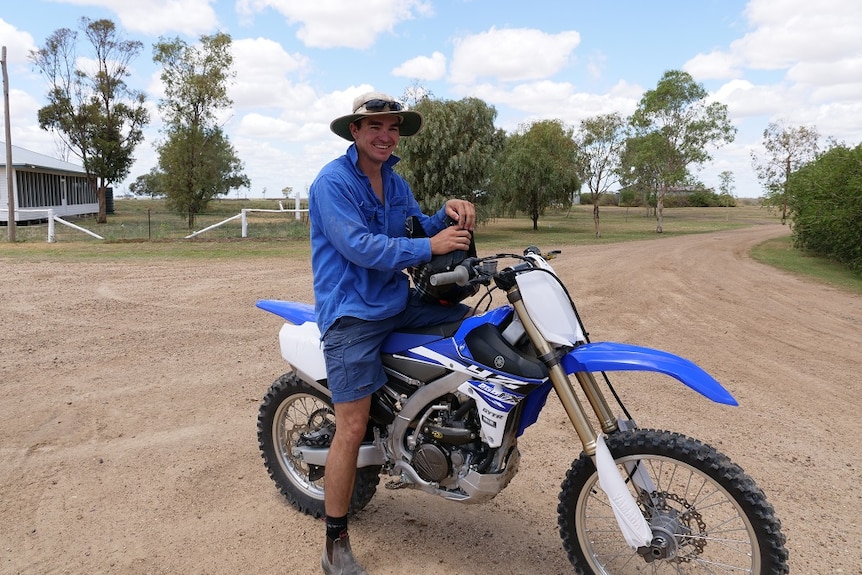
pixel 460 395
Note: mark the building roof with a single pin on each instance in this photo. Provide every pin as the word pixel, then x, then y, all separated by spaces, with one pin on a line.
pixel 26 158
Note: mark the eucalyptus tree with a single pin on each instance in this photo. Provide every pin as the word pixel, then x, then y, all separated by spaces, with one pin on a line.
pixel 600 142
pixel 641 167
pixel 196 158
pixel 787 149
pixel 684 126
pixel 453 155
pixel 536 169
pixel 96 115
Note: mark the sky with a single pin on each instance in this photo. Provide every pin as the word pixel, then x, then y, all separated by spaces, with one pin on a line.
pixel 299 64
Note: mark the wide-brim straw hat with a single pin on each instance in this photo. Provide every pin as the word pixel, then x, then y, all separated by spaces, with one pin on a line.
pixel 377 104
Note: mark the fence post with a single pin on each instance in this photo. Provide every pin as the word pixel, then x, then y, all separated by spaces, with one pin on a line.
pixel 51 238
pixel 244 223
pixel 296 213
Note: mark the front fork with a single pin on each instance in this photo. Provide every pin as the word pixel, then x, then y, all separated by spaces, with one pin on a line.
pixel 573 406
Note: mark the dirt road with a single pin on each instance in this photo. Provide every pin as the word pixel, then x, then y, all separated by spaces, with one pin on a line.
pixel 130 394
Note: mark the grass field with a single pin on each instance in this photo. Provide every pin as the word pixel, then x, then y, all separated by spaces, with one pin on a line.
pixel 142 229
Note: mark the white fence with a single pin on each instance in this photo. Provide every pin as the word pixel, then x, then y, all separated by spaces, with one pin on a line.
pixel 243 215
pixel 53 217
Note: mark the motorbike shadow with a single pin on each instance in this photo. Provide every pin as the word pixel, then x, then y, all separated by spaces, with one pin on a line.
pixel 408 532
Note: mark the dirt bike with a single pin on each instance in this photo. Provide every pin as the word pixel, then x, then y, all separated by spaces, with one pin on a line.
pixel 460 395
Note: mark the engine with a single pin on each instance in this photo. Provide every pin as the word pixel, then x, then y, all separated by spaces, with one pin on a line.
pixel 447 441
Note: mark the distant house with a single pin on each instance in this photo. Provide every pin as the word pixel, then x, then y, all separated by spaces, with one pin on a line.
pixel 40 182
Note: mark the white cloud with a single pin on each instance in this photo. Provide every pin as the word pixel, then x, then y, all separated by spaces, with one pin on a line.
pixel 842 71
pixel 511 55
pixel 545 100
pixel 715 65
pixel 423 67
pixel 787 31
pixel 745 99
pixel 18 44
pixel 336 23
pixel 784 33
pixel 264 71
pixel 596 64
pixel 157 17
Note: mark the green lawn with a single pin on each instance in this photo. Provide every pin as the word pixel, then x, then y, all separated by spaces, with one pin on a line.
pixel 781 254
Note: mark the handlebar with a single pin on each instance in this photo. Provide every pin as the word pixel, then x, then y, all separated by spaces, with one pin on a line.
pixel 460 275
pixel 483 270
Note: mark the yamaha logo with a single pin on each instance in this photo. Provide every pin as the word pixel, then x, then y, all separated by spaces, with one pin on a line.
pixel 499 362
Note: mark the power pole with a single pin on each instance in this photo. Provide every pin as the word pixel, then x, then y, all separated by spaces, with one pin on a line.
pixel 10 225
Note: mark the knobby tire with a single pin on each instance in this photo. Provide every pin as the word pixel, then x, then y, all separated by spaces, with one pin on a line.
pixel 721 520
pixel 292 407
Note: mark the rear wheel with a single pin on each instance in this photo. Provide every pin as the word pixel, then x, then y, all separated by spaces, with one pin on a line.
pixel 707 516
pixel 292 410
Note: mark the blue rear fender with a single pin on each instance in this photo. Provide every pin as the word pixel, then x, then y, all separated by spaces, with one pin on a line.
pixel 295 312
pixel 610 356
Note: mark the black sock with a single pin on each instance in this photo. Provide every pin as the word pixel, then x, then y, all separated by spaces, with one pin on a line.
pixel 336 527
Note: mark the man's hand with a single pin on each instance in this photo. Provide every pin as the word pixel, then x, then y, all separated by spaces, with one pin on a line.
pixel 462 212
pixel 451 239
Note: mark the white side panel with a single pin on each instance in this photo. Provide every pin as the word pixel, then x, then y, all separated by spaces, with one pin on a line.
pixel 549 308
pixel 301 347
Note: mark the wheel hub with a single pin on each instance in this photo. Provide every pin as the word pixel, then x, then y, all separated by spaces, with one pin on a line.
pixel 672 530
pixel 664 543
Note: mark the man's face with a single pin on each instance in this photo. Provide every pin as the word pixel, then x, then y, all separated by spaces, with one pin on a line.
pixel 376 136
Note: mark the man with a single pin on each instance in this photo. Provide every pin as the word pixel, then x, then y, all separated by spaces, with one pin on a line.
pixel 358 207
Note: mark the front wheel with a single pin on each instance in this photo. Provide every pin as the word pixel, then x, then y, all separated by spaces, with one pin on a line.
pixel 707 516
pixel 294 411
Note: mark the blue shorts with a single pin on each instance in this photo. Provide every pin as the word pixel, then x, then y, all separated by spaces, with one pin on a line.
pixel 351 346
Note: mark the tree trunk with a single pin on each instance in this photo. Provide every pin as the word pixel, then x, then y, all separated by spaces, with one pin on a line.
pixel 103 206
pixel 596 218
pixel 659 211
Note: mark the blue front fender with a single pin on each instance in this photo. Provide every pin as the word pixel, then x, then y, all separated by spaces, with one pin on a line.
pixel 610 356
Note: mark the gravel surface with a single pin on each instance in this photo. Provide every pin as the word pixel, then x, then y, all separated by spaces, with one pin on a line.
pixel 130 396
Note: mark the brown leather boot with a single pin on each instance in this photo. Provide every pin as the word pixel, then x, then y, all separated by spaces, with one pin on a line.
pixel 338 558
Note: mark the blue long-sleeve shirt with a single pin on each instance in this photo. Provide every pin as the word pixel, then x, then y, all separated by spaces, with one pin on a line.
pixel 359 246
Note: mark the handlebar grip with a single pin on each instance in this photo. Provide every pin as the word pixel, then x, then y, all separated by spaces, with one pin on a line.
pixel 460 275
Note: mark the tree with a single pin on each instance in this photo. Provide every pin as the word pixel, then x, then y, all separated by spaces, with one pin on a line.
pixel 90 107
pixel 640 167
pixel 726 187
pixel 825 203
pixel 600 142
pixel 150 184
pixel 685 125
pixel 287 191
pixel 198 166
pixel 196 158
pixel 787 150
pixel 453 154
pixel 536 169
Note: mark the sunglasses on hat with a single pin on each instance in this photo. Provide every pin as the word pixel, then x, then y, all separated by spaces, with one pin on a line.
pixel 381 106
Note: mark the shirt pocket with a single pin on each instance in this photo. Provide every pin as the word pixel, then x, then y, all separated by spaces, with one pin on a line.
pixel 373 214
pixel 397 217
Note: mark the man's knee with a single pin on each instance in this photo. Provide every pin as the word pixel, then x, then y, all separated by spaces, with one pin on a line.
pixel 351 419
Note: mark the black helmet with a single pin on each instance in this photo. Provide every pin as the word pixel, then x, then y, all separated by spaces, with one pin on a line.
pixel 450 294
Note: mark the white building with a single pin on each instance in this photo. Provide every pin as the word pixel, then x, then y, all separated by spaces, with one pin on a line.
pixel 41 182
